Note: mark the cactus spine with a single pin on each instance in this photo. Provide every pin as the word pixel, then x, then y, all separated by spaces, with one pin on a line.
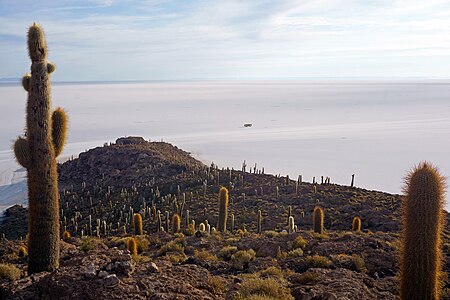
pixel 176 223
pixel 137 223
pixel 223 209
pixel 318 220
pixel 356 224
pixel 45 137
pixel 422 225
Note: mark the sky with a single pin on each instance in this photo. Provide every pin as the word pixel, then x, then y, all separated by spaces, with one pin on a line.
pixel 187 40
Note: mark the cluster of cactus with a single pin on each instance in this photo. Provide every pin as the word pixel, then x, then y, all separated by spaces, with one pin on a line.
pixel 44 140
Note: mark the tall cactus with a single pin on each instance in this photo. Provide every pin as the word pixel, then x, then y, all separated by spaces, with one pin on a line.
pixel 422 224
pixel 137 224
pixel 223 209
pixel 356 224
pixel 37 151
pixel 318 215
pixel 176 223
pixel 259 222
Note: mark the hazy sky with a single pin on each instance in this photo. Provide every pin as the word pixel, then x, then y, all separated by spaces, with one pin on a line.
pixel 268 39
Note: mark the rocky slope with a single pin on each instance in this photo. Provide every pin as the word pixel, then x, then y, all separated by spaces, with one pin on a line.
pixel 100 191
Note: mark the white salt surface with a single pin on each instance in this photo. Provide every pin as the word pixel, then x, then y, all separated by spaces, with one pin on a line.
pixel 376 130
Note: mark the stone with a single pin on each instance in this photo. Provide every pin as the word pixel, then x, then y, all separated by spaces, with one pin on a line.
pixel 102 274
pixel 153 268
pixel 111 280
pixel 90 271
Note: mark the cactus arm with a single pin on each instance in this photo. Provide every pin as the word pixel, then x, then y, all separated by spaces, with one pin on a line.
pixel 22 152
pixel 59 130
pixel 26 82
pixel 50 67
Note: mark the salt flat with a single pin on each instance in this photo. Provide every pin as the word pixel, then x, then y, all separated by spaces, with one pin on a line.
pixel 374 129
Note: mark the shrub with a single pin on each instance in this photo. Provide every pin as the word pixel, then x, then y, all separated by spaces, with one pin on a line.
pixel 318 261
pixel 281 254
pixel 295 253
pixel 269 287
pixel 351 262
pixel 227 252
pixel 142 243
pixel 176 258
pixel 87 245
pixel 242 258
pixel 299 242
pixel 217 284
pixel 273 234
pixel 172 246
pixel 205 255
pixel 273 272
pixel 8 271
pixel 304 278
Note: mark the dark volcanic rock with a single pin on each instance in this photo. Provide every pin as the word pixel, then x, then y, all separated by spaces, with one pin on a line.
pixel 15 222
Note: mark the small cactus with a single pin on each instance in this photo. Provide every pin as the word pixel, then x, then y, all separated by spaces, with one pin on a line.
pixel 356 224
pixel 22 251
pixel 137 224
pixel 201 227
pixel 223 209
pixel 132 246
pixel 66 235
pixel 176 223
pixel 422 219
pixel 318 216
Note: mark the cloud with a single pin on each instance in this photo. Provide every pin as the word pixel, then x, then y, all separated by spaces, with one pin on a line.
pixel 165 39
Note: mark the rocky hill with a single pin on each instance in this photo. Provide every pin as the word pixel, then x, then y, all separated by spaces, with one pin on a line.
pixel 102 189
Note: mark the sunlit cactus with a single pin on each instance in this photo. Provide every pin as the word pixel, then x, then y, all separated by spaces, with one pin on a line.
pixel 356 224
pixel 422 224
pixel 176 223
pixel 137 224
pixel 132 246
pixel 223 209
pixel 318 216
pixel 37 152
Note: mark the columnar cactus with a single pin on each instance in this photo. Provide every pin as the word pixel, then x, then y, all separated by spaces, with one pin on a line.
pixel 356 224
pixel 176 222
pixel 37 152
pixel 137 224
pixel 132 246
pixel 291 225
pixel 223 209
pixel 232 222
pixel 422 211
pixel 259 221
pixel 167 221
pixel 318 220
